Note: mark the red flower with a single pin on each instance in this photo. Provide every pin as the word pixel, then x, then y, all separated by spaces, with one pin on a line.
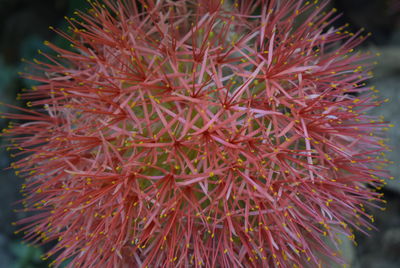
pixel 200 134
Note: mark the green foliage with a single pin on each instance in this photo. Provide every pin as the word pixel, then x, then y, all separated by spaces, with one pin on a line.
pixel 27 256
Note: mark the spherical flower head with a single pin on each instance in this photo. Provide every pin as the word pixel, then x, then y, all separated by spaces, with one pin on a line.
pixel 200 134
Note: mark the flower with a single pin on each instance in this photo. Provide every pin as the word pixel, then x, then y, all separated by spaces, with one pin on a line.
pixel 200 134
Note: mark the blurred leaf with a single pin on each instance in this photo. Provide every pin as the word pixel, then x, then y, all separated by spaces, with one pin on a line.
pixel 27 256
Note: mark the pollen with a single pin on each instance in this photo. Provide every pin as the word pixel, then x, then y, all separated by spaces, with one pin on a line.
pixel 154 118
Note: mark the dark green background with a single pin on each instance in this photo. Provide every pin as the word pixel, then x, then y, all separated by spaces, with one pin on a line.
pixel 24 27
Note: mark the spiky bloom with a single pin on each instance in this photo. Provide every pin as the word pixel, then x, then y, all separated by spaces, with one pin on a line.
pixel 195 134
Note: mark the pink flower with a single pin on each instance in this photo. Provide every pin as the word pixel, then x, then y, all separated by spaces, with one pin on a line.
pixel 200 134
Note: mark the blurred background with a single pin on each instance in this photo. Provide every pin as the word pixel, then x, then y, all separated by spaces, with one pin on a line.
pixel 24 27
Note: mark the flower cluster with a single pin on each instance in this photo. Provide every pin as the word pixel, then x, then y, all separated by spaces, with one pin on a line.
pixel 200 134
